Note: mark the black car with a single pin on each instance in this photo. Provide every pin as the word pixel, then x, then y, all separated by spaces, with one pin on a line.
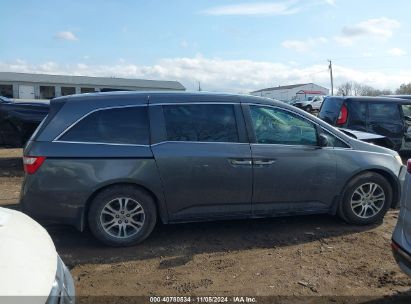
pixel 18 120
pixel 387 116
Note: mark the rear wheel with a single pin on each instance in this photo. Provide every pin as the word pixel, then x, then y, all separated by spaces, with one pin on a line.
pixel 309 109
pixel 122 216
pixel 366 199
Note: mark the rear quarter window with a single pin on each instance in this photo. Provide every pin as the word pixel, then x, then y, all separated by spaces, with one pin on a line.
pixel 201 123
pixel 128 125
pixel 383 112
pixel 330 110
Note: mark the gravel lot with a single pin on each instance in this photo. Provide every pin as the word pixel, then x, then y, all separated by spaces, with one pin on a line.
pixel 293 256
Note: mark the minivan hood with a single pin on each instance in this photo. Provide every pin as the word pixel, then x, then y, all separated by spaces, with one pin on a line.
pixel 28 258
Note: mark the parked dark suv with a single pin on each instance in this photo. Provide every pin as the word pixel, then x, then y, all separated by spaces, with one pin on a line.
pixel 387 116
pixel 118 162
pixel 18 120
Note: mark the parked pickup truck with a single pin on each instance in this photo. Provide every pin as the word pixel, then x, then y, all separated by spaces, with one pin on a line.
pixel 18 120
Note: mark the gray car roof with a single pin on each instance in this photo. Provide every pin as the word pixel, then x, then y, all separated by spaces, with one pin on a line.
pixel 155 97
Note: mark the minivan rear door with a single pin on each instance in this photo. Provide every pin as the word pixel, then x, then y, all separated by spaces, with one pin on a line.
pixel 204 158
pixel 330 110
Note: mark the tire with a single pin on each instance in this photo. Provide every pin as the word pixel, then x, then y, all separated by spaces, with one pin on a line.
pixel 309 109
pixel 131 213
pixel 366 209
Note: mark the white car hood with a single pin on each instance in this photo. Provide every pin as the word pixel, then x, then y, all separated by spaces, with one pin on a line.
pixel 28 258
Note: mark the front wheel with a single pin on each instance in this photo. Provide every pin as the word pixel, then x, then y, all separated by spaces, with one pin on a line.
pixel 366 199
pixel 122 216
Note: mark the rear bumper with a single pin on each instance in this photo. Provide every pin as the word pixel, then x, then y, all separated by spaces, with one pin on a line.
pixel 402 257
pixel 50 208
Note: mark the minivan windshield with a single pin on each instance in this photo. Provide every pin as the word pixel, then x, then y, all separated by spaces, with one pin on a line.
pixel 330 109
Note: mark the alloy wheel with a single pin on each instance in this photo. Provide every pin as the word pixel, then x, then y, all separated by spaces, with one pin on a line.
pixel 122 217
pixel 367 200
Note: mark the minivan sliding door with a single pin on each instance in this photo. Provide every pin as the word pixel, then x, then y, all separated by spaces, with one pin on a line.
pixel 204 159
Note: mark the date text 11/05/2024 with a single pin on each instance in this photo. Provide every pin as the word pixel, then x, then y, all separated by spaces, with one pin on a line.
pixel 239 299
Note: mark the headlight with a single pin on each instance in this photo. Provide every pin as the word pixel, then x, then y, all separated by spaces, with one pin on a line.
pixel 62 290
pixel 399 159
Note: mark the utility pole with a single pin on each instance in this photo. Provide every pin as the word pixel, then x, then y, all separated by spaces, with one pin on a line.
pixel 199 86
pixel 331 76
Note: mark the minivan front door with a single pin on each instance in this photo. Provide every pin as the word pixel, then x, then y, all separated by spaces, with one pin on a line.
pixel 291 172
pixel 204 161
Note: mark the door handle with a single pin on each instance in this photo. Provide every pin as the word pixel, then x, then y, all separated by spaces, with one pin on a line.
pixel 264 162
pixel 240 162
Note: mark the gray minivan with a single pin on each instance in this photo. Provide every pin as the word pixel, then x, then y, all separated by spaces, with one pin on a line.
pixel 118 162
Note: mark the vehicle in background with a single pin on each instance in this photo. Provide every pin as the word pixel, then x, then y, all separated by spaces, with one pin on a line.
pixel 109 161
pixel 371 138
pixel 401 238
pixel 31 269
pixel 290 102
pixel 387 116
pixel 18 120
pixel 311 104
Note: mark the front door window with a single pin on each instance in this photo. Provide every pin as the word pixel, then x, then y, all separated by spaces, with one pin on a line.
pixel 275 126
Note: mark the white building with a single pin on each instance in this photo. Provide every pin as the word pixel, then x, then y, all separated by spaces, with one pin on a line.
pixel 295 91
pixel 43 86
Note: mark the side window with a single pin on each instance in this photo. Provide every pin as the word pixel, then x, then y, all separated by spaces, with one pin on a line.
pixel 275 126
pixel 334 141
pixel 357 112
pixel 383 112
pixel 127 125
pixel 406 109
pixel 201 122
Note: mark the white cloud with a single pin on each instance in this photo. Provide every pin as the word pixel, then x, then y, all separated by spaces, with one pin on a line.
pixel 330 2
pixel 377 28
pixel 380 27
pixel 66 35
pixel 367 54
pixel 303 45
pixel 344 41
pixel 397 52
pixel 286 7
pixel 220 75
pixel 259 8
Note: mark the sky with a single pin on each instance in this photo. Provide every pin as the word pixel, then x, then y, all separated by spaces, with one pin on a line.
pixel 226 45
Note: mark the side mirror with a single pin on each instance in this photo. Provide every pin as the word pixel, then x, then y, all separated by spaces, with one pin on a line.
pixel 324 141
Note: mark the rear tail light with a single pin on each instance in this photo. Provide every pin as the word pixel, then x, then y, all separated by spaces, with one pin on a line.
pixel 342 118
pixel 32 163
pixel 409 166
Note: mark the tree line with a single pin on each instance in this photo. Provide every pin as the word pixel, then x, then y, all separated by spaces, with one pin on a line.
pixel 353 88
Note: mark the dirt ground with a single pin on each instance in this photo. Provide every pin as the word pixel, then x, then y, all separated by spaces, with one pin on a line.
pixel 291 256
